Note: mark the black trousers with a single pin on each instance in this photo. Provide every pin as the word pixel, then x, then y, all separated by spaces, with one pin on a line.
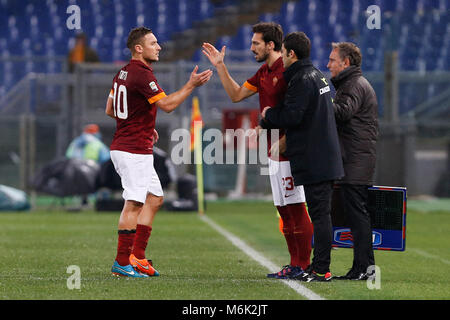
pixel 354 200
pixel 318 198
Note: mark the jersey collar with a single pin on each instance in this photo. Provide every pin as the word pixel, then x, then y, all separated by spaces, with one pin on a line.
pixel 139 62
pixel 278 64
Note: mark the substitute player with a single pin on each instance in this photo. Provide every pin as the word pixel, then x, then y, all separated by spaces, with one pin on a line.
pixel 133 102
pixel 269 83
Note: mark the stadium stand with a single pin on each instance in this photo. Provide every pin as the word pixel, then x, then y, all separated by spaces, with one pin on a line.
pixel 421 29
pixel 423 26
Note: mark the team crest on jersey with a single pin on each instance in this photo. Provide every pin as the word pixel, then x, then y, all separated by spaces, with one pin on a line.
pixel 275 81
pixel 153 86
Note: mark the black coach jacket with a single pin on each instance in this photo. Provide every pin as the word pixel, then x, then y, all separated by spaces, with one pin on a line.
pixel 306 113
pixel 356 112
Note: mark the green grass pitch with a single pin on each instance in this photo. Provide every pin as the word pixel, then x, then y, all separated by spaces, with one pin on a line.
pixel 198 263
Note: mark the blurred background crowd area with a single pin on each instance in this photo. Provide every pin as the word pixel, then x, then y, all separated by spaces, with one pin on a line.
pixel 54 80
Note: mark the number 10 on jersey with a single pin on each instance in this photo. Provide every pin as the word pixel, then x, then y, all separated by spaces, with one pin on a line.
pixel 120 105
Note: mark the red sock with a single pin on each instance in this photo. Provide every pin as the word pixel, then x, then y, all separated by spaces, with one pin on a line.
pixel 303 231
pixel 125 243
pixel 140 242
pixel 288 232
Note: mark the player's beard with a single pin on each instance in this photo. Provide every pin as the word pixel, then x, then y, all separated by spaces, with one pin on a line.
pixel 262 58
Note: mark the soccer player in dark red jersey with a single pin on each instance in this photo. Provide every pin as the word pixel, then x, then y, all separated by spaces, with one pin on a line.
pixel 133 101
pixel 269 83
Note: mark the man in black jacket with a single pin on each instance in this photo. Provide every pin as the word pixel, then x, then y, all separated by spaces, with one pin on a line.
pixel 356 111
pixel 312 145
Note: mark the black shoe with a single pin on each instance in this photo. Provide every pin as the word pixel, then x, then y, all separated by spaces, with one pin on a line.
pixel 346 276
pixel 363 275
pixel 353 275
pixel 360 276
pixel 317 277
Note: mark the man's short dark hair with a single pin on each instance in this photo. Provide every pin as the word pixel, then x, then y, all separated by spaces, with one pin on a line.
pixel 270 31
pixel 135 36
pixel 299 43
pixel 349 50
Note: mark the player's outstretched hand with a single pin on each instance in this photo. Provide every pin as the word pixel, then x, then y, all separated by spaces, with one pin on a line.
pixel 199 79
pixel 214 56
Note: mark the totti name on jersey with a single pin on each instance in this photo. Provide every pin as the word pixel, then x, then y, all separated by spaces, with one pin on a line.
pixel 135 91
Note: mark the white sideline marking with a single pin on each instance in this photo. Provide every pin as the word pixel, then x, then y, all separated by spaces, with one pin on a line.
pixel 258 257
pixel 428 255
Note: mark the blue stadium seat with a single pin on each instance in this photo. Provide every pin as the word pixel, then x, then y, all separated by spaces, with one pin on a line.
pixel 432 4
pixel 301 12
pixel 200 10
pixel 223 41
pixel 184 17
pixel 388 5
pixel 275 17
pixel 105 49
pixel 287 14
pixel 4 47
pixel 319 10
pixel 15 47
pixel 3 16
pixel 172 11
pixel 9 75
pixel 410 6
pixel 49 47
pixel 2 73
pixel 242 40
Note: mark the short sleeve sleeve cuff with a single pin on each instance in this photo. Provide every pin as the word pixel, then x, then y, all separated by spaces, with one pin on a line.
pixel 250 86
pixel 157 97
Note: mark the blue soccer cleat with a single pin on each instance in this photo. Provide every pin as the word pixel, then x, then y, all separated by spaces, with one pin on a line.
pixel 288 272
pixel 126 271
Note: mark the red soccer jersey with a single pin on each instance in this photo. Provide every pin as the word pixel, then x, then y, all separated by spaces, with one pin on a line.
pixel 135 91
pixel 270 84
